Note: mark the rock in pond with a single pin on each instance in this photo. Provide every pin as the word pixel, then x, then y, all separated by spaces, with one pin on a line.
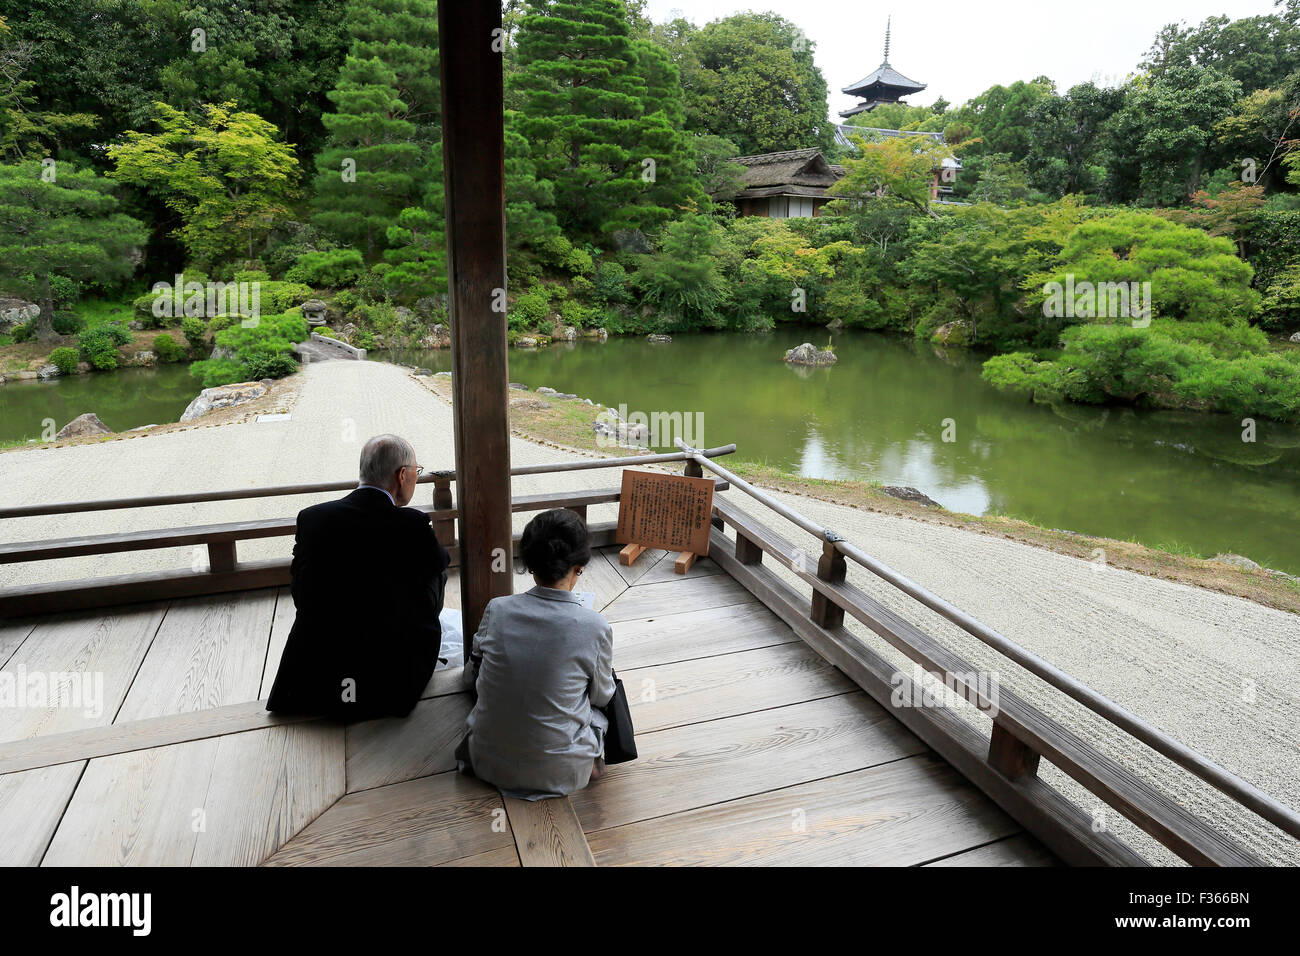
pixel 809 354
pixel 83 425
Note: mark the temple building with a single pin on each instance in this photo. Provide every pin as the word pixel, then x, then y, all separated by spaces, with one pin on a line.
pixel 793 183
pixel 883 85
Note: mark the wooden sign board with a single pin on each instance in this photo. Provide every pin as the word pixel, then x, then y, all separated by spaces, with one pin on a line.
pixel 672 512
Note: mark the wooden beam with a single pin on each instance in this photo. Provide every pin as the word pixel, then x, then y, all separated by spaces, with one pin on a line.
pixel 470 43
pixel 547 833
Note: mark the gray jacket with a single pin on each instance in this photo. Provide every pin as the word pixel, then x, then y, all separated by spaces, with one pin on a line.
pixel 546 664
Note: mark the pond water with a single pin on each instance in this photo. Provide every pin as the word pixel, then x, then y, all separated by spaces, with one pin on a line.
pixel 1180 480
pixel 124 398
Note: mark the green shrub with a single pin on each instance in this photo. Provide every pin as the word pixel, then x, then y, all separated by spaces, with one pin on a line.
pixel 273 366
pixel 99 345
pixel 610 283
pixel 195 332
pixel 529 309
pixel 66 359
pixel 214 372
pixel 332 269
pixel 68 323
pixel 346 300
pixel 219 322
pixel 167 349
pixel 573 312
pixel 21 333
pixel 64 290
pixel 252 275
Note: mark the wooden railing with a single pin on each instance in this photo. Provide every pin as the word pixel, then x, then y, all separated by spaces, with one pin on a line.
pixel 224 571
pixel 1005 764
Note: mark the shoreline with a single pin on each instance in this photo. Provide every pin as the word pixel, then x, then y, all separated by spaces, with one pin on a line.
pixel 566 426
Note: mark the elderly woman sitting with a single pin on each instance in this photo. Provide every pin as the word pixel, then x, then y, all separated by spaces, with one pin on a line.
pixel 544 666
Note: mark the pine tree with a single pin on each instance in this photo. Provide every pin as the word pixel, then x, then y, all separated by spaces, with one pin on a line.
pixel 598 131
pixel 376 161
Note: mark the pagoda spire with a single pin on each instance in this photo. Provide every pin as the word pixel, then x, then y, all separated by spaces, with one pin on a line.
pixel 887 23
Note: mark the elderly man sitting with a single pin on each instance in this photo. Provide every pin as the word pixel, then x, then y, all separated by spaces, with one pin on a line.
pixel 368 577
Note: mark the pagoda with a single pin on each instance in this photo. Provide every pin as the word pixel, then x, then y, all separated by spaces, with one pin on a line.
pixel 882 85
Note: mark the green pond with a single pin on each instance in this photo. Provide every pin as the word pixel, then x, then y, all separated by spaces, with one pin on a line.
pixel 125 398
pixel 1180 480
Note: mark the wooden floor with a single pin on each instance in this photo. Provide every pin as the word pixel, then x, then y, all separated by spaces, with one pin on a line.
pixel 753 749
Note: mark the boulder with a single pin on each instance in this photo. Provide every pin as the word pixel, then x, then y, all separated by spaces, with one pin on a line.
pixel 438 337
pixel 47 372
pixel 135 325
pixel 1295 337
pixel 222 396
pixel 519 387
pixel 956 334
pixel 83 425
pixel 1236 561
pixel 144 358
pixel 442 374
pixel 423 372
pixel 659 338
pixel 530 404
pixel 222 352
pixel 567 333
pixel 546 390
pixel 809 354
pixel 403 313
pixel 526 342
pixel 835 324
pixel 15 311
pixel 600 334
pixel 904 493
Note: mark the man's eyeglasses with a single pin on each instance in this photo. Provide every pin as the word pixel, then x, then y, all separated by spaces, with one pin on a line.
pixel 419 469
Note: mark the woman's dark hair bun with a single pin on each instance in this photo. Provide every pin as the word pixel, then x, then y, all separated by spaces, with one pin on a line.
pixel 553 542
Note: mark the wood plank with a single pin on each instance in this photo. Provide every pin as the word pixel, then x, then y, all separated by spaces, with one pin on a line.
pixel 12 635
pixel 1062 826
pixel 221 801
pixel 266 787
pixel 137 809
pixel 547 833
pixel 281 625
pixel 899 814
pixel 20 755
pixel 31 805
pixel 684 594
pixel 209 652
pixel 390 750
pixel 663 639
pixel 1018 850
pixel 447 818
pixel 506 856
pixel 665 569
pixel 701 764
pixel 632 574
pixel 670 695
pixel 97 652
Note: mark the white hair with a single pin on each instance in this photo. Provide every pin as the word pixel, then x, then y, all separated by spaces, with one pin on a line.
pixel 381 456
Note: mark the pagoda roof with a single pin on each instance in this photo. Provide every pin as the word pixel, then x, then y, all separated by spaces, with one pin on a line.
pixel 884 79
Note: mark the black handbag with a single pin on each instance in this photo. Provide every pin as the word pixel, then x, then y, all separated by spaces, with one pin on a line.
pixel 620 738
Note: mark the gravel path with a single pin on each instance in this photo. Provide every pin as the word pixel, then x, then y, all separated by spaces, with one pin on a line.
pixel 1217 672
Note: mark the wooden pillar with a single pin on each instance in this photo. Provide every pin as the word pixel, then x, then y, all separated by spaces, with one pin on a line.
pixel 469 39
pixel 831 567
pixel 444 529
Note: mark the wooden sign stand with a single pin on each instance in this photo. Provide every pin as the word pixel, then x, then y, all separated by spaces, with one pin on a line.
pixel 671 512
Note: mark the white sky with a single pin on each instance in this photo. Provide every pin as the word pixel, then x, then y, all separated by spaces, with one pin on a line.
pixel 960 48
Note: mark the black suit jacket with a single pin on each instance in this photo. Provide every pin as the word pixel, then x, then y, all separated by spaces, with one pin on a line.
pixel 368 583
